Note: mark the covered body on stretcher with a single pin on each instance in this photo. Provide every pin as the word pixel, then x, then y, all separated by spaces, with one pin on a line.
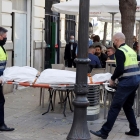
pixel 28 76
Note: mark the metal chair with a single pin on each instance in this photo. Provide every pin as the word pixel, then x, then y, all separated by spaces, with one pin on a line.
pixel 97 71
pixel 70 69
pixel 110 93
pixel 58 66
pixel 42 91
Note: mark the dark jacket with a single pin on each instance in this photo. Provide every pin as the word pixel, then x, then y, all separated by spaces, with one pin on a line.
pixel 135 44
pixel 70 54
pixel 138 57
pixel 103 58
pixel 94 63
pixel 111 57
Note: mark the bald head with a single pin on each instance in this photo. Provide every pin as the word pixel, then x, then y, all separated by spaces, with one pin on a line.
pixel 119 36
pixel 118 39
pixel 71 37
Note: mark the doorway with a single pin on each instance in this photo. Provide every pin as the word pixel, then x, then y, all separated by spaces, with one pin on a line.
pixel 20 39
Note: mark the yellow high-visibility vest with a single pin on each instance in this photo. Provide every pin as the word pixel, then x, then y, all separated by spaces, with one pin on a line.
pixel 131 65
pixel 3 59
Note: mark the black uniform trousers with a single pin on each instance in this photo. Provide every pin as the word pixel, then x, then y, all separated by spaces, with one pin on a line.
pixel 2 101
pixel 124 97
pixel 71 63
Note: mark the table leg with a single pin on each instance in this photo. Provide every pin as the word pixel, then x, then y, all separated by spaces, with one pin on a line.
pixel 69 102
pixel 50 103
pixel 40 96
pixel 105 104
pixel 65 106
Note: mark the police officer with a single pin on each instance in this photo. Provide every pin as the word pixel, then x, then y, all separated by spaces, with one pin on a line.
pixel 128 74
pixel 3 61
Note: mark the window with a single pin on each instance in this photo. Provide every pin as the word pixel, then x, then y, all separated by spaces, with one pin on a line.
pixel 48 5
pixel 69 27
pixel 19 5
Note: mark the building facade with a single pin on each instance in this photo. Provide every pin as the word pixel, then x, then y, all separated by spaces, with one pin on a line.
pixel 68 27
pixel 58 29
pixel 31 26
pixel 24 21
pixel 52 20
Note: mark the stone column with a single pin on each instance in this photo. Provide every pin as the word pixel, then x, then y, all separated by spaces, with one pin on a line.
pixel 38 16
pixel 62 38
pixel 6 22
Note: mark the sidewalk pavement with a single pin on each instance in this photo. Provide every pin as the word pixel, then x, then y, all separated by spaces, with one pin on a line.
pixel 22 111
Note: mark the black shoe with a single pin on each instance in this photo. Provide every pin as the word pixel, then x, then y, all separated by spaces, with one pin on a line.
pixel 132 133
pixel 5 128
pixel 99 134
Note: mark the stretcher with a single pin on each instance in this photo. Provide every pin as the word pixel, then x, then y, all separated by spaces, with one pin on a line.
pixel 30 77
pixel 52 88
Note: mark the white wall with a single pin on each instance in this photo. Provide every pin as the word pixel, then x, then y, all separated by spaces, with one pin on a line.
pixel 6 17
pixel 76 27
pixel 38 18
pixel 6 22
pixel 40 3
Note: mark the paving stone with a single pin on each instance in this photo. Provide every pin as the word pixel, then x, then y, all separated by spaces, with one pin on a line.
pixel 23 112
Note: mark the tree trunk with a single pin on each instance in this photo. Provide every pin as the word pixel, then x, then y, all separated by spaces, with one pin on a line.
pixel 128 11
pixel 105 33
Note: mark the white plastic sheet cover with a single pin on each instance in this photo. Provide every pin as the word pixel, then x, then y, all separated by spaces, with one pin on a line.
pixel 102 77
pixel 48 76
pixel 54 76
pixel 20 74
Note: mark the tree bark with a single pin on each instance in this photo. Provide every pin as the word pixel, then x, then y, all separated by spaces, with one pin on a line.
pixel 128 11
pixel 105 33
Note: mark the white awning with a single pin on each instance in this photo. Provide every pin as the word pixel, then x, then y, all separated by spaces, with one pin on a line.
pixel 109 19
pixel 98 8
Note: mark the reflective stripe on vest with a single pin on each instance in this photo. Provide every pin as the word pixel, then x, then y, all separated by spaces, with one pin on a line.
pixel 3 59
pixel 2 67
pixel 131 65
pixel 130 74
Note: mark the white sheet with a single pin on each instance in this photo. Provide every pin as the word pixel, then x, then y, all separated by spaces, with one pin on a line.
pixel 20 74
pixel 48 76
pixel 55 76
pixel 101 77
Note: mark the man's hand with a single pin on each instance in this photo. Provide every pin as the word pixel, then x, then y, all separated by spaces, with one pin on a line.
pixel 111 82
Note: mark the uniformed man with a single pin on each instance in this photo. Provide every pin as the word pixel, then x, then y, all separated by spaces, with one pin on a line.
pixel 128 74
pixel 3 61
